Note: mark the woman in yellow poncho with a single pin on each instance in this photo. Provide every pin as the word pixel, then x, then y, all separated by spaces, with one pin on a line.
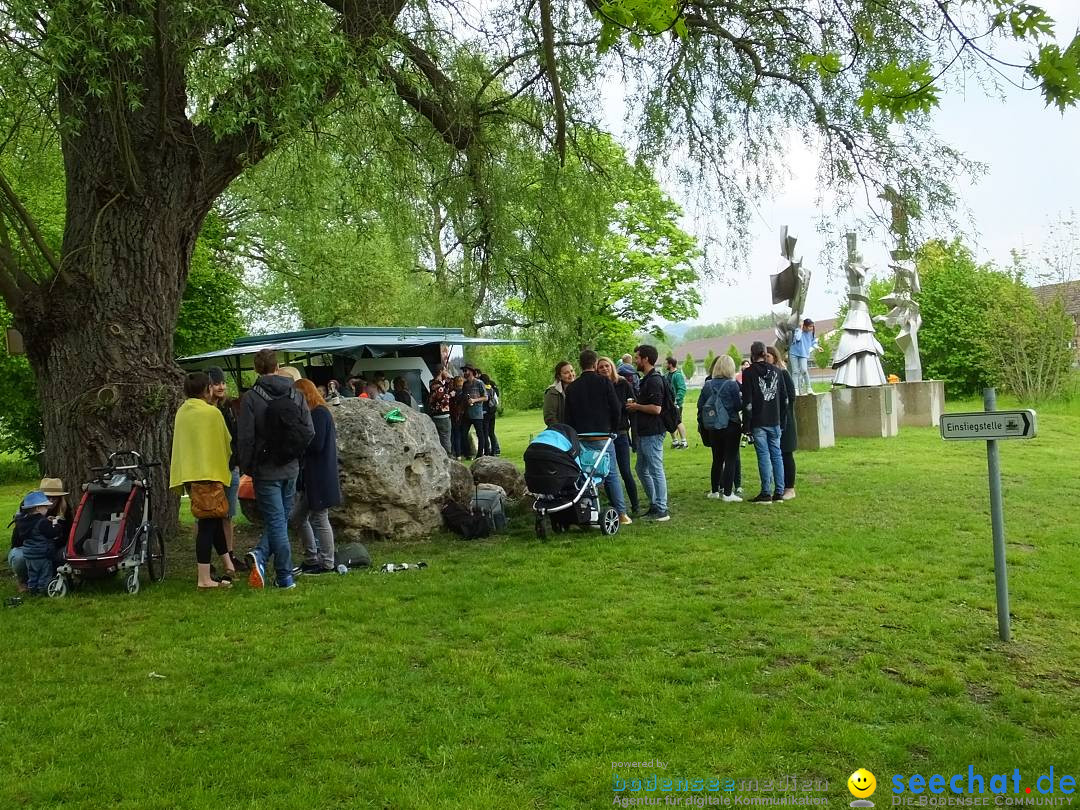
pixel 200 452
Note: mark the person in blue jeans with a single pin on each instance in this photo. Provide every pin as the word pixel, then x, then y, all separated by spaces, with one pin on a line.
pixel 802 345
pixel 605 367
pixel 765 399
pixel 274 481
pixel 650 433
pixel 475 396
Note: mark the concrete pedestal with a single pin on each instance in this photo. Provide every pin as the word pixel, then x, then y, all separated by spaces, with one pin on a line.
pixel 920 404
pixel 868 412
pixel 814 421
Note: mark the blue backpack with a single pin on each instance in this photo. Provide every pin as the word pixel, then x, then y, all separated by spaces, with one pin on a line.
pixel 714 415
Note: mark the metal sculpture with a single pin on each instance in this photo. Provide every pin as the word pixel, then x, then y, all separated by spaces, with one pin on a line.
pixel 904 309
pixel 789 287
pixel 858 356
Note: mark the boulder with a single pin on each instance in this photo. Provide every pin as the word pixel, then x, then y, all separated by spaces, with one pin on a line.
pixel 394 475
pixel 494 470
pixel 461 483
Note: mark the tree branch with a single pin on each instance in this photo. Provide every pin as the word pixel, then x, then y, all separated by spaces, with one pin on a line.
pixel 547 27
pixel 28 223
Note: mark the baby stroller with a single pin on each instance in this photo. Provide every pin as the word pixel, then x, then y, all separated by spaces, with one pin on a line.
pixel 112 530
pixel 563 475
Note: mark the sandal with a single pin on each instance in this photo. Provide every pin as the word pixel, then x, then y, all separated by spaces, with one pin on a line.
pixel 222 583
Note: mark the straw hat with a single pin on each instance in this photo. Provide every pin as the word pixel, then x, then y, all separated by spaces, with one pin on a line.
pixel 290 371
pixel 53 487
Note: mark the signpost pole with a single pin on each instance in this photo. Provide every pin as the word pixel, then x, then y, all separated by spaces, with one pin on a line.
pixel 997 521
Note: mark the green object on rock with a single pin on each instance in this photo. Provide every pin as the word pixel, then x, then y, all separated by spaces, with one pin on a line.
pixel 394 416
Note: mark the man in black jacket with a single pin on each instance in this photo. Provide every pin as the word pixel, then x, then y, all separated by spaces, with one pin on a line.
pixel 593 407
pixel 764 404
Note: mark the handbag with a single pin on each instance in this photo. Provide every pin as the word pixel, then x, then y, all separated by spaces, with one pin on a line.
pixel 208 500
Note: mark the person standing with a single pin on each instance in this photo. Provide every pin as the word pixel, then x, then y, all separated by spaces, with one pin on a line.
pixel 320 484
pixel 592 407
pixel 200 463
pixel 491 412
pixel 763 395
pixel 803 344
pixel 789 438
pixel 475 397
pixel 274 431
pixel 605 367
pixel 459 419
pixel 439 393
pixel 650 432
pixel 555 395
pixel 677 380
pixel 219 395
pixel 722 395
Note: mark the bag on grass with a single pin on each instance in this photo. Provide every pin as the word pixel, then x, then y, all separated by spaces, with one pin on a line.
pixel 352 555
pixel 463 522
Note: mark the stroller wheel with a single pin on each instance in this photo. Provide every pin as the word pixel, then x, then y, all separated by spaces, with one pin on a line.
pixel 155 554
pixel 541 529
pixel 57 588
pixel 609 523
pixel 131 582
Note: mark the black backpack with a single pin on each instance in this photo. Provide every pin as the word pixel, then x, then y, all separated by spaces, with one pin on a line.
pixel 669 414
pixel 286 436
pixel 464 522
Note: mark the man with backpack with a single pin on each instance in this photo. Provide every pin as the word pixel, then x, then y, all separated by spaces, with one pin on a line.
pixel 765 399
pixel 677 380
pixel 274 431
pixel 655 411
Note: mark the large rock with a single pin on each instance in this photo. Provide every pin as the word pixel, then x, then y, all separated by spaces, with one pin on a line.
pixel 493 470
pixel 461 483
pixel 394 475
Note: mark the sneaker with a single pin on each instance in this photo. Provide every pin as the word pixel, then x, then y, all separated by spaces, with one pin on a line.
pixel 778 497
pixel 658 517
pixel 713 495
pixel 789 494
pixel 624 519
pixel 238 562
pixel 310 568
pixel 256 578
pixel 764 497
pixel 731 499
pixel 286 584
pixel 652 510
pixel 738 490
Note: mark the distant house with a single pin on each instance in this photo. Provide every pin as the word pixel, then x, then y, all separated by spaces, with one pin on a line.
pixel 699 349
pixel 1070 295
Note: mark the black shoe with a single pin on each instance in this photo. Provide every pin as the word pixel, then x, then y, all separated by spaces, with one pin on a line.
pixel 311 568
pixel 778 498
pixel 657 517
pixel 763 497
pixel 239 563
pixel 297 570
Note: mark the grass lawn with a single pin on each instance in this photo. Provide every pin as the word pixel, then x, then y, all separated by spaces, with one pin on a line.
pixel 853 626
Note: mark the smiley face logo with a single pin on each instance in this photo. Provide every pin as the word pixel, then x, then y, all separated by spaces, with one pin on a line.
pixel 862 784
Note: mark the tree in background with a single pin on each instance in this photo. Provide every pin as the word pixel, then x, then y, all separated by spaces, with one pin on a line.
pixel 735 354
pixel 731 326
pixel 710 360
pixel 689 367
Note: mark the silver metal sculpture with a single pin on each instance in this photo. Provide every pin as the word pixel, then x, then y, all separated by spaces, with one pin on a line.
pixel 858 356
pixel 904 309
pixel 789 287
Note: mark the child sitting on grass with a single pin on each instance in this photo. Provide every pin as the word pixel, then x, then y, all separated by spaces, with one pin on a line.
pixel 37 534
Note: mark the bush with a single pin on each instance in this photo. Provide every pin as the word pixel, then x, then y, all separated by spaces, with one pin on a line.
pixel 689 366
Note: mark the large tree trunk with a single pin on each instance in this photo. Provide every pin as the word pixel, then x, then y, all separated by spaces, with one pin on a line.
pixel 99 337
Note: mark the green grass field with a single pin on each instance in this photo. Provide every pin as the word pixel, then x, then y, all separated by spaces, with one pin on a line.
pixel 853 626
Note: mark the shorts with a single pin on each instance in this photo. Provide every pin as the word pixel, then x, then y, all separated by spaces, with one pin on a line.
pixel 232 493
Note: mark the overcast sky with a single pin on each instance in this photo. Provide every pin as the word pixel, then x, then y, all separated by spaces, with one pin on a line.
pixel 1033 155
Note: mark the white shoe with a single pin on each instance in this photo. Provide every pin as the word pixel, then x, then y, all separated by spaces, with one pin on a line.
pixel 789 494
pixel 712 495
pixel 731 498
pixel 624 520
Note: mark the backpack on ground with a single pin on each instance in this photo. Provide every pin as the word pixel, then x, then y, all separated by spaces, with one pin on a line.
pixel 490 504
pixel 465 523
pixel 713 413
pixel 286 436
pixel 352 555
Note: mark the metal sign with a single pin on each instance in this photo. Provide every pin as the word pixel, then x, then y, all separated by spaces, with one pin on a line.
pixel 992 425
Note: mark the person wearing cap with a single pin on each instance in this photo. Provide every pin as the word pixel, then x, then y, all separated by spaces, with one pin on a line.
pixel 219 396
pixel 36 534
pixel 55 492
pixel 803 343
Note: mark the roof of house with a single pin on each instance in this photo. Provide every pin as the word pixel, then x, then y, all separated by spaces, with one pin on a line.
pixel 699 349
pixel 1068 290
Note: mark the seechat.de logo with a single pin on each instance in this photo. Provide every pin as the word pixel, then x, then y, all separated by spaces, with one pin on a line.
pixel 862 785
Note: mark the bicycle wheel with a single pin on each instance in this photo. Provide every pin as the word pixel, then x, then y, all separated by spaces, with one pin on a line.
pixel 155 554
